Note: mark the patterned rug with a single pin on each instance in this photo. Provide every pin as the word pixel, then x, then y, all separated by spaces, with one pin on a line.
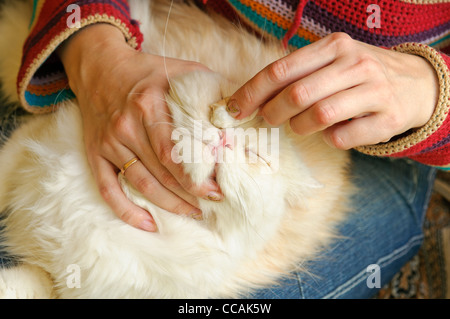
pixel 427 275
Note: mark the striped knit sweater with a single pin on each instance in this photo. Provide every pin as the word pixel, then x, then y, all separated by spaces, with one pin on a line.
pixel 420 27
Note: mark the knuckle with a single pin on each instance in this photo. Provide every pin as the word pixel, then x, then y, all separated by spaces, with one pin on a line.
pixel 339 36
pixel 337 141
pixel 105 144
pixel 386 93
pixel 165 154
pixel 247 94
pixel 324 113
pixel 121 124
pixel 394 122
pixel 299 94
pixel 143 101
pixel 106 192
pixel 140 98
pixel 126 216
pixel 278 71
pixel 145 185
pixel 169 181
pixel 189 185
pixel 181 209
pixel 340 41
pixel 368 64
pixel 268 117
pixel 295 127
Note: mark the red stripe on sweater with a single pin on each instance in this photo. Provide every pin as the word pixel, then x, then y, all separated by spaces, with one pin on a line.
pixel 30 53
pixel 397 17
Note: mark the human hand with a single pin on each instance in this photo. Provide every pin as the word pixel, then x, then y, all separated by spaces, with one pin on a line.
pixel 121 96
pixel 356 93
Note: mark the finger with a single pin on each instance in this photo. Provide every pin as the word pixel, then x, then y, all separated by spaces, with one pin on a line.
pixel 300 95
pixel 112 193
pixel 128 139
pixel 159 131
pixel 157 193
pixel 342 106
pixel 140 175
pixel 367 130
pixel 157 173
pixel 269 81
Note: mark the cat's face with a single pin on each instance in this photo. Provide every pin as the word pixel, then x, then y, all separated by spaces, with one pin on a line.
pixel 255 165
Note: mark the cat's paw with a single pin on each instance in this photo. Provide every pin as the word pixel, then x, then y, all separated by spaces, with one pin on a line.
pixel 220 117
pixel 25 282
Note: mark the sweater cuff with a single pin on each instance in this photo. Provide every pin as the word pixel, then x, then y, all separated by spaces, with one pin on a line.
pixel 430 143
pixel 42 83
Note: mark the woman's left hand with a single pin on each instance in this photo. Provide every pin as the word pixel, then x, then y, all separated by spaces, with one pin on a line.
pixel 356 93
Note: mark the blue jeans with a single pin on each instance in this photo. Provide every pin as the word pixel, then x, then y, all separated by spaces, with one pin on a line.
pixel 379 237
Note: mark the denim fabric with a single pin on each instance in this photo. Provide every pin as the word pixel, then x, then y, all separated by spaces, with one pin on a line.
pixel 384 229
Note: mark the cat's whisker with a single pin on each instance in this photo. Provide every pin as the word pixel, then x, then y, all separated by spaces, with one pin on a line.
pixel 243 204
pixel 55 102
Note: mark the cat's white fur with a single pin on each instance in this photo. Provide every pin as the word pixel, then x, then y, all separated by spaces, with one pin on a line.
pixel 267 225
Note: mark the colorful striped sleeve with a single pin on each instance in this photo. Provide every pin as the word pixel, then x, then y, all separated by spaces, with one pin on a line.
pixel 42 82
pixel 420 27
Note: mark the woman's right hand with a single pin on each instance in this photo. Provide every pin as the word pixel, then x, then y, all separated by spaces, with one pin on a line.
pixel 120 92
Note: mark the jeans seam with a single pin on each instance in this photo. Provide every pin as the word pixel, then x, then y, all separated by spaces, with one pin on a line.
pixel 399 252
pixel 300 287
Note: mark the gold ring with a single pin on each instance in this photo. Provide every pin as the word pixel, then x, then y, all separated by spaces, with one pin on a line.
pixel 128 164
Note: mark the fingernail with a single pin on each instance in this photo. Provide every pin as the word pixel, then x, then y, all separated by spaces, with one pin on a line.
pixel 197 215
pixel 233 108
pixel 148 226
pixel 214 196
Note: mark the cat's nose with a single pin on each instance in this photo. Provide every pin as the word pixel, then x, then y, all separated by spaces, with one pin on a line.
pixel 226 140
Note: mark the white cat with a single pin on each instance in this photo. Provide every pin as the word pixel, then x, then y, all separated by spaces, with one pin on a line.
pixel 280 209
